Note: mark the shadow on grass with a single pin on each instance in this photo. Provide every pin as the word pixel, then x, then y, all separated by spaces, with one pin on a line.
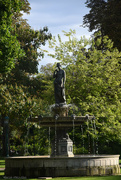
pixel 10 178
pixel 118 177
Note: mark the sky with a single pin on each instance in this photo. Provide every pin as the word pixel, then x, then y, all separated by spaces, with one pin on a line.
pixel 57 15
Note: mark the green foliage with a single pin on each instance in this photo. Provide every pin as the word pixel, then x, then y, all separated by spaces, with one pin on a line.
pixel 14 102
pixel 20 89
pixel 32 141
pixel 9 46
pixel 95 18
pixel 38 140
pixel 105 16
pixel 46 76
pixel 93 81
pixel 30 40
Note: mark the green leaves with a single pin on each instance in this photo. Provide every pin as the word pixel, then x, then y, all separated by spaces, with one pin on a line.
pixel 9 46
pixel 93 78
pixel 105 16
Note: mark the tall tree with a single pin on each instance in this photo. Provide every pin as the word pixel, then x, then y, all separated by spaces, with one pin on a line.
pixel 30 41
pixel 10 49
pixel 18 88
pixel 105 16
pixel 95 18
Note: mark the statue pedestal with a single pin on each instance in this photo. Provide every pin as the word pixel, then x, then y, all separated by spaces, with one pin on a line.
pixel 65 147
pixel 60 109
pixel 62 145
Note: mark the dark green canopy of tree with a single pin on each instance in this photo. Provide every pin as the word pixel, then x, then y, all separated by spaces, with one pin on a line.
pixel 10 49
pixel 105 16
pixel 25 67
pixel 30 41
pixel 19 59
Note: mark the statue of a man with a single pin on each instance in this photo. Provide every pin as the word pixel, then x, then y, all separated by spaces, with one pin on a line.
pixel 59 85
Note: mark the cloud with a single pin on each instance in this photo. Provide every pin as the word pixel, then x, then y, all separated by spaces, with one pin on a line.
pixel 58 16
pixel 58 7
pixel 51 20
pixel 54 13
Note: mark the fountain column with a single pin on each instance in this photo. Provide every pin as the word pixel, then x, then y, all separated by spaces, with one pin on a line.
pixel 62 144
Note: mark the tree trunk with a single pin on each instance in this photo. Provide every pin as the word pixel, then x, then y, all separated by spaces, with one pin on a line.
pixel 5 138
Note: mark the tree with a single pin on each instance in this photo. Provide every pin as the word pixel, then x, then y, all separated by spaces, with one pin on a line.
pixel 30 40
pixel 95 18
pixel 105 16
pixel 93 81
pixel 20 89
pixel 9 46
pixel 46 76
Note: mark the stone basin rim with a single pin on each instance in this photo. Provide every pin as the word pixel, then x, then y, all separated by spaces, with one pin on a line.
pixel 64 157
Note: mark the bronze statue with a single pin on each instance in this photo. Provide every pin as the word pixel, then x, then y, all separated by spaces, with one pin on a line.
pixel 59 85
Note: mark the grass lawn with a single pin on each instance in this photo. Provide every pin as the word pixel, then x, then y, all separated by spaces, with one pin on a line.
pixel 2 165
pixel 73 178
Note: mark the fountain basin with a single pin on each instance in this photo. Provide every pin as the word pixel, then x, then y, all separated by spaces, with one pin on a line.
pixel 45 166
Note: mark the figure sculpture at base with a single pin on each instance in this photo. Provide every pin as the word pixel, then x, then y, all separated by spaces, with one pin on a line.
pixel 59 85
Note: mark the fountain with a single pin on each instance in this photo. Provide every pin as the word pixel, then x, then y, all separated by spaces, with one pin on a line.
pixel 62 162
